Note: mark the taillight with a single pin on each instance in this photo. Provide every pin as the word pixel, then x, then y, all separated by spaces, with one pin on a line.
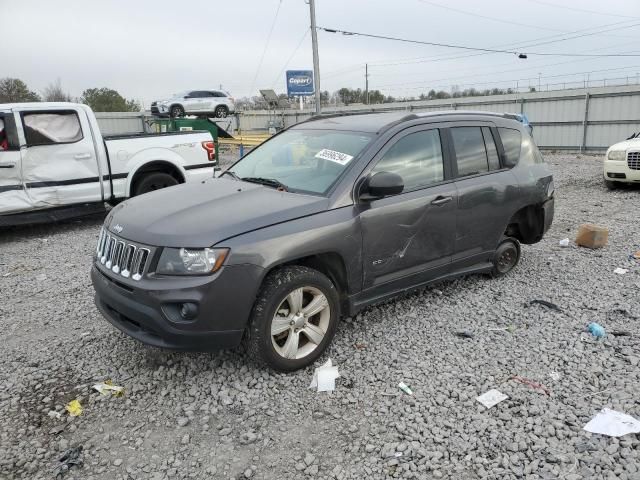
pixel 210 147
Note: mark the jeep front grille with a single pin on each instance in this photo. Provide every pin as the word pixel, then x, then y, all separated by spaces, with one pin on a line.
pixel 633 160
pixel 121 257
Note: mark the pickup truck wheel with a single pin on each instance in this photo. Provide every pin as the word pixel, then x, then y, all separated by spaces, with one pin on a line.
pixel 294 318
pixel 506 257
pixel 154 181
pixel 221 112
pixel 176 111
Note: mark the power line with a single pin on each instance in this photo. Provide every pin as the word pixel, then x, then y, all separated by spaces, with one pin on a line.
pixel 486 17
pixel 266 45
pixel 521 54
pixel 519 45
pixel 513 80
pixel 279 77
pixel 583 10
pixel 529 66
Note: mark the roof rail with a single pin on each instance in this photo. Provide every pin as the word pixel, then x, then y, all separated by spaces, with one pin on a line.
pixel 324 116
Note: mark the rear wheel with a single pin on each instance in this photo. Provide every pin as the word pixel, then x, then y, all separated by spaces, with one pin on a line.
pixel 221 112
pixel 506 257
pixel 294 318
pixel 154 181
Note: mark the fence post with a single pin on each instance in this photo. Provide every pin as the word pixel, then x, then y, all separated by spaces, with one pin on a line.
pixel 144 125
pixel 521 105
pixel 583 146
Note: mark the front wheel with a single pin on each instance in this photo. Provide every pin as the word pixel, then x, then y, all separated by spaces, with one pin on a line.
pixel 506 257
pixel 294 318
pixel 611 185
pixel 176 111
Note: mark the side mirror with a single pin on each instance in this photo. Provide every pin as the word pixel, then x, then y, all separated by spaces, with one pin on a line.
pixel 381 184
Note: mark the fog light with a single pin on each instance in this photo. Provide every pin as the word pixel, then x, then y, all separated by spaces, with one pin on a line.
pixel 189 311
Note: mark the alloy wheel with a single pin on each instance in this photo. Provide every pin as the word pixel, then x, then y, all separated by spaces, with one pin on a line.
pixel 300 322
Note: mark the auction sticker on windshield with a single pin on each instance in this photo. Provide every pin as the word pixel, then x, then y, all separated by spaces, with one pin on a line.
pixel 333 156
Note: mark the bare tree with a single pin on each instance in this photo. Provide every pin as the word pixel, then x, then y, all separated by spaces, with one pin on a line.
pixel 55 93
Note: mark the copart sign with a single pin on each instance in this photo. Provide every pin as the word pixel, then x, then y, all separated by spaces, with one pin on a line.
pixel 299 82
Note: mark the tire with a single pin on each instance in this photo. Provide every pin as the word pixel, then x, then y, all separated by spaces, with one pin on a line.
pixel 176 111
pixel 268 343
pixel 221 111
pixel 506 257
pixel 154 181
pixel 611 185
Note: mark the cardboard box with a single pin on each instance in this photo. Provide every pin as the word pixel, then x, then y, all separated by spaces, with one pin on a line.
pixel 592 236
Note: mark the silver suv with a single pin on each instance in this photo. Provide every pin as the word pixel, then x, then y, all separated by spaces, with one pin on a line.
pixel 195 102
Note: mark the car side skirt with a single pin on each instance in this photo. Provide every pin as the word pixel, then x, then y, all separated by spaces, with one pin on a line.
pixel 362 300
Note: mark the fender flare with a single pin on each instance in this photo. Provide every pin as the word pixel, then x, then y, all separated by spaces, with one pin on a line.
pixel 145 157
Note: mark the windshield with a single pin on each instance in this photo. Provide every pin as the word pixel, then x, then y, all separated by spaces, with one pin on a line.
pixel 303 160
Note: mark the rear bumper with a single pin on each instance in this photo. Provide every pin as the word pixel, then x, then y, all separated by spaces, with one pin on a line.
pixel 150 312
pixel 620 172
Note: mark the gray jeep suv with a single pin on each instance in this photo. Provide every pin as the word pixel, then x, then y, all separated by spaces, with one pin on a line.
pixel 325 218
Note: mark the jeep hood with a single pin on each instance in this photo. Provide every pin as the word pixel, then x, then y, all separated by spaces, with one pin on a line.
pixel 203 214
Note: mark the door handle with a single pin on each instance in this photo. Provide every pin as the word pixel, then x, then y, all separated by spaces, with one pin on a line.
pixel 82 156
pixel 440 200
pixel 8 165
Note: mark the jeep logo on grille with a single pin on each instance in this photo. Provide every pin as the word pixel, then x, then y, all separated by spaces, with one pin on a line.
pixel 118 228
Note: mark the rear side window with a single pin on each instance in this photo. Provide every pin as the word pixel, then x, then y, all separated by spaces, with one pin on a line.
pixel 417 158
pixel 8 132
pixel 492 151
pixel 512 143
pixel 50 128
pixel 471 154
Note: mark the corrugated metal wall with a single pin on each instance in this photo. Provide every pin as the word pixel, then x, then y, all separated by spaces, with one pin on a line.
pixel 112 123
pixel 579 119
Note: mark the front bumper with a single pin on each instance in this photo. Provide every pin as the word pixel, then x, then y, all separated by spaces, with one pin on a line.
pixel 549 211
pixel 148 310
pixel 614 171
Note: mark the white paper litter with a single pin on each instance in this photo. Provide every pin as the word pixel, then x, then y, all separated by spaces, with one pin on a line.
pixel 564 242
pixel 555 376
pixel 108 389
pixel 620 271
pixel 405 388
pixel 491 398
pixel 54 414
pixel 612 423
pixel 324 377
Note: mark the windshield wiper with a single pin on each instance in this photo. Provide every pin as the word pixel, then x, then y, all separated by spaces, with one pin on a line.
pixel 232 174
pixel 269 182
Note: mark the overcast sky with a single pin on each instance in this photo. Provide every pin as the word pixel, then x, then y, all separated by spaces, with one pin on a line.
pixel 149 49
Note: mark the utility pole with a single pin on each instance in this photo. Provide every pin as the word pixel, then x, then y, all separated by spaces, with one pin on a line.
pixel 316 61
pixel 539 80
pixel 366 82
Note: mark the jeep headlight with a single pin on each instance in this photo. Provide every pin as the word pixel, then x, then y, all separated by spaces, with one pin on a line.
pixel 191 261
pixel 617 155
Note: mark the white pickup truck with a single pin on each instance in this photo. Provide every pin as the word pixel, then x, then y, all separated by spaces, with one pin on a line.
pixel 54 163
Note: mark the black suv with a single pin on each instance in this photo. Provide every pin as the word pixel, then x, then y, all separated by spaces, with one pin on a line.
pixel 325 218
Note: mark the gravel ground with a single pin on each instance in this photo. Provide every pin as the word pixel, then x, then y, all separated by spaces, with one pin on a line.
pixel 208 416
